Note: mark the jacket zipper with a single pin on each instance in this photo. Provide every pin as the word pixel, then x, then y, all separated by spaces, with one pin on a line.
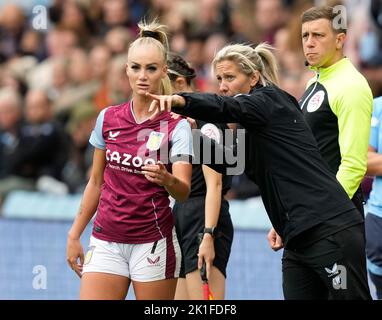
pixel 311 92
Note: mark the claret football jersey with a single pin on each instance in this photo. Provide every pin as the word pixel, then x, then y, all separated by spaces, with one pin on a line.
pixel 132 209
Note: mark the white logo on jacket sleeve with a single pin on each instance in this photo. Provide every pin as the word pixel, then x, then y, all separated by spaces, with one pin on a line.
pixel 316 101
pixel 211 131
pixel 155 140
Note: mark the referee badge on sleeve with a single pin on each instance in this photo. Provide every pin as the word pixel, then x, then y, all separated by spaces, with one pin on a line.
pixel 155 140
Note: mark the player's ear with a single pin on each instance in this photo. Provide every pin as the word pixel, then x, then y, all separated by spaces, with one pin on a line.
pixel 164 71
pixel 254 78
pixel 180 84
pixel 340 40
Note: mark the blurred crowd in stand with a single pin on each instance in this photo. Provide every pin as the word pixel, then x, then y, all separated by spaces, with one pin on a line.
pixel 55 77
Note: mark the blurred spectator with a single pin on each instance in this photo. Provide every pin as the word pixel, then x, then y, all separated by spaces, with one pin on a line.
pixel 44 150
pixel 32 44
pixel 213 44
pixel 13 75
pixel 293 74
pixel 270 15
pixel 118 39
pixel 242 22
pixel 158 8
pixel 73 16
pixel 81 83
pixel 41 149
pixel 117 81
pixel 195 47
pixel 12 27
pixel 10 135
pixel 366 34
pixel 178 43
pixel 59 43
pixel 10 121
pixel 79 68
pixel 373 44
pixel 80 126
pixel 60 79
pixel 214 16
pixel 115 13
pixel 100 58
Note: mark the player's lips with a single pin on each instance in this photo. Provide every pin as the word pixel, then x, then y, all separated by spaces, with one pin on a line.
pixel 143 86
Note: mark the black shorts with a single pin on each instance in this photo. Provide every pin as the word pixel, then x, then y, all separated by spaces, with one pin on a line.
pixel 189 222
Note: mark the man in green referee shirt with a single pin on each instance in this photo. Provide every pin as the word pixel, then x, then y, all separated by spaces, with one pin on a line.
pixel 338 102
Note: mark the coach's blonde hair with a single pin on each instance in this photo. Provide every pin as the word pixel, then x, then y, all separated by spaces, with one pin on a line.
pixel 251 59
pixel 154 34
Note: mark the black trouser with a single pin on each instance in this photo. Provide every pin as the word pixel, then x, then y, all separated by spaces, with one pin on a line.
pixel 331 268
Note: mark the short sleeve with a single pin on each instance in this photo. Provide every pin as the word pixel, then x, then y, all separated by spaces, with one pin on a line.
pixel 376 123
pixel 96 138
pixel 181 142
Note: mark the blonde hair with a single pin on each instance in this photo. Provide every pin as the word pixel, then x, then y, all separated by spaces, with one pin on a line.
pixel 251 59
pixel 154 34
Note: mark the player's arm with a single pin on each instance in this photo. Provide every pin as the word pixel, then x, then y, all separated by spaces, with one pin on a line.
pixel 90 198
pixel 177 183
pixel 211 213
pixel 91 195
pixel 374 162
pixel 86 211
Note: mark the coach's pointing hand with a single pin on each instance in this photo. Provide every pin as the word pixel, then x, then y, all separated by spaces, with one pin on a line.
pixel 162 104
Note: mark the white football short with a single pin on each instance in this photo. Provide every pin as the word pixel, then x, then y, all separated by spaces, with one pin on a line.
pixel 145 262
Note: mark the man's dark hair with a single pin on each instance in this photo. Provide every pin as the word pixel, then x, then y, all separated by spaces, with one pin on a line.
pixel 322 12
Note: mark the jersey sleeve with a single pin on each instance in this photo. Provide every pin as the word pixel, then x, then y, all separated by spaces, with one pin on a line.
pixel 96 138
pixel 181 142
pixel 376 123
pixel 353 109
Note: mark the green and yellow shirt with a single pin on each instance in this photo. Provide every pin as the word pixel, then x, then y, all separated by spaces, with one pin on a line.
pixel 337 105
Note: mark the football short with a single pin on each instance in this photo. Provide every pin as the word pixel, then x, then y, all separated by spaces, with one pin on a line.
pixel 145 262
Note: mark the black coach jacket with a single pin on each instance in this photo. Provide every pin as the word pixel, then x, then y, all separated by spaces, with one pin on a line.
pixel 281 157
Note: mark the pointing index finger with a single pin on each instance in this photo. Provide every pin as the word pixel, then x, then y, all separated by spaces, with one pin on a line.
pixel 153 96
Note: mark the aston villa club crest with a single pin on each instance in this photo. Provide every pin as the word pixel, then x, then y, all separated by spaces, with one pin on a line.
pixel 155 140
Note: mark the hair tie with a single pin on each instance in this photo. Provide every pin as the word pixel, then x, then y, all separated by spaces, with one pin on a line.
pixel 151 34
